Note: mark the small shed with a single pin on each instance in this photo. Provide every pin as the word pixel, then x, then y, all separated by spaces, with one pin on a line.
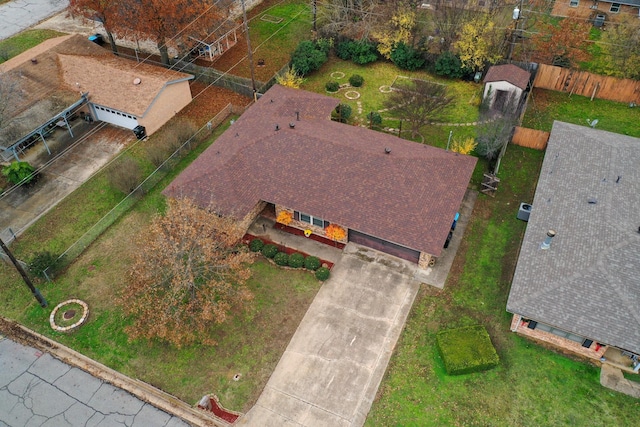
pixel 504 85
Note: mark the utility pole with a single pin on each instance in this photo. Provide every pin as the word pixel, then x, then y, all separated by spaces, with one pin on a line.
pixel 250 52
pixel 517 14
pixel 36 293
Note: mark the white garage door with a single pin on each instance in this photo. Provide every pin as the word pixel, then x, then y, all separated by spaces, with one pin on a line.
pixel 114 117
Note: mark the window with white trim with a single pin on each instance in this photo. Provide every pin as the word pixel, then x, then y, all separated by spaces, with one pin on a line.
pixel 615 8
pixel 309 219
pixel 574 3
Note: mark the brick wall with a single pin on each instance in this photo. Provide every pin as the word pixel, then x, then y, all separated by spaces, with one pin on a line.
pixel 304 225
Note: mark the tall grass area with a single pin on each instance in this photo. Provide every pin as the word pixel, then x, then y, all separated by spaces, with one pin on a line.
pixel 531 386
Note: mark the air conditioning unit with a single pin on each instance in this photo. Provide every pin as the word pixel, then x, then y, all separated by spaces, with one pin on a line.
pixel 524 212
pixel 599 20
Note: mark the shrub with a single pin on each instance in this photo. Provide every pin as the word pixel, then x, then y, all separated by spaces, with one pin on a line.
pixel 466 350
pixel 125 175
pixel 322 274
pixel 19 173
pixel 356 80
pixel 307 57
pixel 281 259
pixel 256 245
pixel 332 86
pixel 449 65
pixel 42 261
pixel 374 118
pixel 290 79
pixel 343 50
pixel 406 57
pixel 296 260
pixel 342 113
pixel 269 250
pixel 312 263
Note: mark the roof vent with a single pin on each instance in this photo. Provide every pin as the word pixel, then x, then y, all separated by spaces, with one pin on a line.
pixel 292 125
pixel 137 81
pixel 277 127
pixel 298 115
pixel 34 61
pixel 547 241
pixel 592 200
pixel 387 150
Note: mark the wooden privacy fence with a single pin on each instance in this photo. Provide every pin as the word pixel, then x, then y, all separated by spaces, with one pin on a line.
pixel 587 84
pixel 530 138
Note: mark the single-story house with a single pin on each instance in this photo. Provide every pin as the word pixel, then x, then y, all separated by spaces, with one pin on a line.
pixel 604 10
pixel 580 290
pixel 286 153
pixel 504 85
pixel 69 75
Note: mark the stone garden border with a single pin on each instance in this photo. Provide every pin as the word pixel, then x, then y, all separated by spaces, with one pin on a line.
pixel 352 94
pixel 337 75
pixel 85 315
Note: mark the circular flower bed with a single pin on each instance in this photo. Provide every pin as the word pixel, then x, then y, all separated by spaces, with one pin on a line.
pixel 337 75
pixel 69 315
pixel 385 89
pixel 352 94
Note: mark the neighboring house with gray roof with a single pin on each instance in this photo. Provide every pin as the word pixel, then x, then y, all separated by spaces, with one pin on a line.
pixel 583 292
pixel 504 86
pixel 393 195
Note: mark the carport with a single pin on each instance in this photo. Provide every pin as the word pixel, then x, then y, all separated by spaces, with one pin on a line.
pixel 41 132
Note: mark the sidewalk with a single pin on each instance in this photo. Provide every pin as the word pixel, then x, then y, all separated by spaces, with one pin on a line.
pixel 19 15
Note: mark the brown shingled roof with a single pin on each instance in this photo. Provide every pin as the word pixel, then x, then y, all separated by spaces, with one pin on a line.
pixel 330 170
pixel 508 73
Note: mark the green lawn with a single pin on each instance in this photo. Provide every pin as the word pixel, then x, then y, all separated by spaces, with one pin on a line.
pixel 531 386
pixel 24 41
pixel 251 344
pixel 545 106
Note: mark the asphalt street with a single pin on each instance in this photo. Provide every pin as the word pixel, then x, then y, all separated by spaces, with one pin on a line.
pixel 37 389
pixel 18 15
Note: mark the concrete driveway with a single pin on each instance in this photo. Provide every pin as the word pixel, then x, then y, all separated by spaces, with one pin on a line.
pixel 331 370
pixel 18 15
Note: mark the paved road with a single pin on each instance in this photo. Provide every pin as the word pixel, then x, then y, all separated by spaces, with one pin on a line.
pixel 18 15
pixel 38 390
pixel 331 369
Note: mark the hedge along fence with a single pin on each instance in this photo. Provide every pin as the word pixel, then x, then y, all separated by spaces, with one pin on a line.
pixel 76 248
pixel 530 138
pixel 467 350
pixel 587 84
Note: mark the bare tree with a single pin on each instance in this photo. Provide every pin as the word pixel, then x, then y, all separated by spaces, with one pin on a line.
pixel 418 102
pixel 495 128
pixel 353 19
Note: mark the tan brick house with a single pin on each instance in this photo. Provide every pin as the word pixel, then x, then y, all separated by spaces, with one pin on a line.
pixel 68 75
pixel 387 193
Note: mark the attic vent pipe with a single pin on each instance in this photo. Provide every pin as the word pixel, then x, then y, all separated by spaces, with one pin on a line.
pixel 298 116
pixel 547 241
pixel 292 125
pixel 277 127
pixel 387 150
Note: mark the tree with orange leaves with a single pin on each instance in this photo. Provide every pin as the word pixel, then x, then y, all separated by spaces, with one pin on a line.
pixel 563 44
pixel 107 12
pixel 188 275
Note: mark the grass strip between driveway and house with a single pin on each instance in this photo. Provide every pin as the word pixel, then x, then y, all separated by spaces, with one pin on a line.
pixel 23 41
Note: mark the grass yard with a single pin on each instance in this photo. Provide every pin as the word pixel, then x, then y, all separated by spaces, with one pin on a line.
pixel 381 73
pixel 25 40
pixel 545 106
pixel 250 345
pixel 531 386
pixel 272 40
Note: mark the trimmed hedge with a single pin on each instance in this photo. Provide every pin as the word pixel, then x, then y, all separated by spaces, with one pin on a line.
pixel 322 273
pixel 269 250
pixel 296 260
pixel 256 245
pixel 312 263
pixel 281 259
pixel 356 80
pixel 332 86
pixel 467 350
